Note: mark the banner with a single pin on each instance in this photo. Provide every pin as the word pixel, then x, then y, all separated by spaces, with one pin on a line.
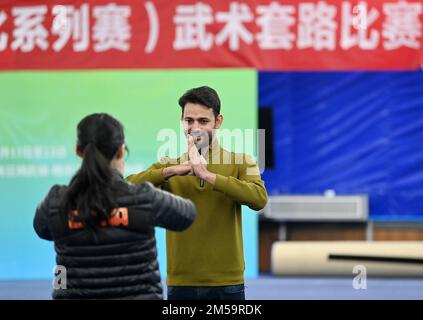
pixel 40 112
pixel 267 35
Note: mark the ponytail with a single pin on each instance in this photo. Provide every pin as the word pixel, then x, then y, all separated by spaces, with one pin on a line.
pixel 90 192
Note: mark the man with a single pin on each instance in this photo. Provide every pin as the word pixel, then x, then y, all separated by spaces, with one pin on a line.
pixel 207 260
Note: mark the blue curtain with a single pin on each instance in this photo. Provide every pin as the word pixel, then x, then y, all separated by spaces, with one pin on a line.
pixel 353 132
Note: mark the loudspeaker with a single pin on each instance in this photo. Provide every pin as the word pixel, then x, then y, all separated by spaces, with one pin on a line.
pixel 266 123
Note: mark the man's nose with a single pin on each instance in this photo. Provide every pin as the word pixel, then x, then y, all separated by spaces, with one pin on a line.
pixel 195 126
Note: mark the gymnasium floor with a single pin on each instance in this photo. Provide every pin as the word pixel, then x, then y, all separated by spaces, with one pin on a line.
pixel 270 288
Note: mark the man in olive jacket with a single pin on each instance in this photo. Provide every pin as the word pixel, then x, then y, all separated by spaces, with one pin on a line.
pixel 207 260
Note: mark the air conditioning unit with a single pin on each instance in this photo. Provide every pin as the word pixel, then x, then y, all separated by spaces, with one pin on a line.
pixel 317 208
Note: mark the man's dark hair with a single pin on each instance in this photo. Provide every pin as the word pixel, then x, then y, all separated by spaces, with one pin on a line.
pixel 204 95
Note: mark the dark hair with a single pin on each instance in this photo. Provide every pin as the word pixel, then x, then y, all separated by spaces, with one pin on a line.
pixel 202 95
pixel 90 191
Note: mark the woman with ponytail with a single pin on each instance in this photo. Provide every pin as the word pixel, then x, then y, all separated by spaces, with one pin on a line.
pixel 102 226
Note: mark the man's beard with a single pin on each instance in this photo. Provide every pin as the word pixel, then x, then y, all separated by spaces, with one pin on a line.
pixel 205 140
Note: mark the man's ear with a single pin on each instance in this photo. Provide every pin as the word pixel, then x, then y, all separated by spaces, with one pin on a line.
pixel 121 152
pixel 219 120
pixel 78 152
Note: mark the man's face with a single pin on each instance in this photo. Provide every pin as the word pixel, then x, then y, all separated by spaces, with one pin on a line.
pixel 199 121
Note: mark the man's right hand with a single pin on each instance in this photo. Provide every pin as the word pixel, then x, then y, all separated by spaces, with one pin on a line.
pixel 184 169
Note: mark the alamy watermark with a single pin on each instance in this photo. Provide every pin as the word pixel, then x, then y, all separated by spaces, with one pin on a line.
pixel 360 280
pixel 249 142
pixel 60 278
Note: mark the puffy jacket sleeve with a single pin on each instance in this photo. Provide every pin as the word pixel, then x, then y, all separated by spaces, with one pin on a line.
pixel 41 216
pixel 170 211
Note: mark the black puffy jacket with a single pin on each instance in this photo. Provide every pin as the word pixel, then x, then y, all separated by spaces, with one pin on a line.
pixel 118 262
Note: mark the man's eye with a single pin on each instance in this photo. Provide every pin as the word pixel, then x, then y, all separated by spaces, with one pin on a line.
pixel 204 121
pixel 188 121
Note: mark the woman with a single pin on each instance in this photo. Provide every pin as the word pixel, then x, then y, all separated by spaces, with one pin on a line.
pixel 102 226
